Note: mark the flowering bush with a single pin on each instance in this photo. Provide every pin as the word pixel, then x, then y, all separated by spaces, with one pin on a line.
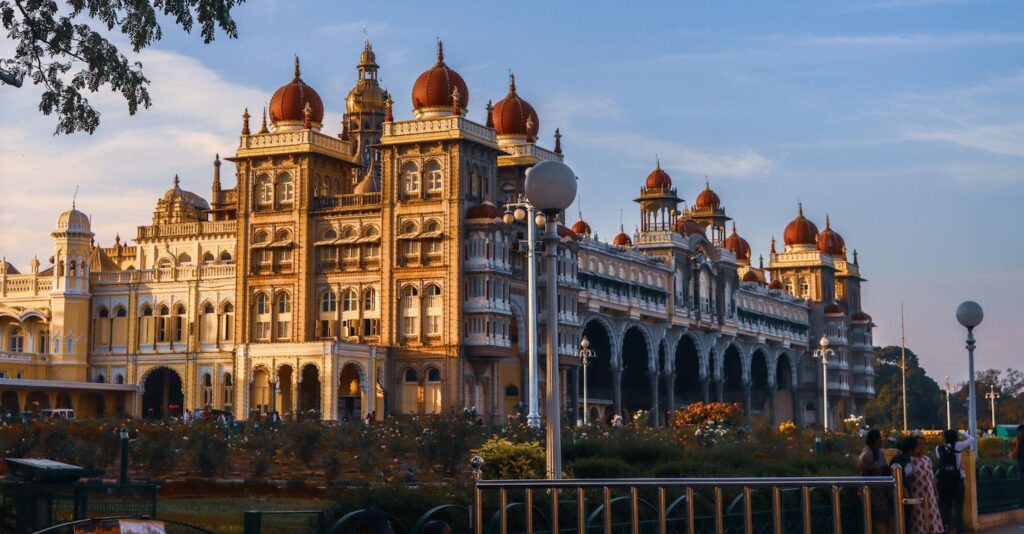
pixel 787 427
pixel 704 413
pixel 853 423
pixel 507 460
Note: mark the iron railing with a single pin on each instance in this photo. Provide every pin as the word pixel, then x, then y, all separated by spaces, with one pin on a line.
pixel 687 505
pixel 999 489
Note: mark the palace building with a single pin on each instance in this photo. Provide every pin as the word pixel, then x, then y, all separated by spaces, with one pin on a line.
pixel 369 272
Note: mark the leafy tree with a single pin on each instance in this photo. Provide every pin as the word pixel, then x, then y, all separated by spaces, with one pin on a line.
pixel 924 397
pixel 1009 406
pixel 57 47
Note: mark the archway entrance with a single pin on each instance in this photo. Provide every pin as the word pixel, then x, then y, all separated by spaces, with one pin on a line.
pixel 732 376
pixel 9 404
pixel 784 404
pixel 37 400
pixel 599 372
pixel 162 394
pixel 259 391
pixel 688 387
pixel 636 385
pixel 309 391
pixel 759 397
pixel 350 401
pixel 285 394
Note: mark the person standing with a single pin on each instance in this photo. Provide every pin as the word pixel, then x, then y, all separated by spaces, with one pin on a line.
pixel 927 519
pixel 903 459
pixel 951 477
pixel 872 464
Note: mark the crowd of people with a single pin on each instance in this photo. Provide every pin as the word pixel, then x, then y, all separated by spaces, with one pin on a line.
pixel 934 497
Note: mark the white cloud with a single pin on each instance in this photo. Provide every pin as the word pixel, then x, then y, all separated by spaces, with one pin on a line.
pixel 1003 139
pixel 735 163
pixel 126 164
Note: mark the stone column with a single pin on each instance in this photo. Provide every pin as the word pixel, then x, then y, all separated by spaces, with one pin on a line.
pixel 655 413
pixel 746 401
pixel 773 398
pixel 670 394
pixel 798 408
pixel 617 390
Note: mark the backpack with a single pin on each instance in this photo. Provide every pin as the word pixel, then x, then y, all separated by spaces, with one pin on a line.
pixel 948 471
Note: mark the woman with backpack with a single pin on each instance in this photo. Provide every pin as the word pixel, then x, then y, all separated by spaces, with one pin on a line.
pixel 951 477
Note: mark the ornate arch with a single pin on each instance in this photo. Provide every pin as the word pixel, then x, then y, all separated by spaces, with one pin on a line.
pixel 652 347
pixel 145 376
pixel 794 363
pixel 520 318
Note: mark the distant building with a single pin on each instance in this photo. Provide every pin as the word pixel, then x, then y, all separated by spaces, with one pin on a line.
pixel 370 272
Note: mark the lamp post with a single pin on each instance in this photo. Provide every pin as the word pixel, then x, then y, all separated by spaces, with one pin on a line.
pixel 585 355
pixel 992 395
pixel 969 314
pixel 551 188
pixel 823 353
pixel 519 211
pixel 124 455
pixel 949 413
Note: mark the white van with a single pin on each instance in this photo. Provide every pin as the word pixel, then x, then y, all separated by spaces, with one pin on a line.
pixel 57 413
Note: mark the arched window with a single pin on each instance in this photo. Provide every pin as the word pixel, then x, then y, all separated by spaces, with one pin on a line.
pixel 435 178
pixel 328 302
pixel 410 311
pixel 184 258
pixel 261 237
pixel 228 322
pixel 119 378
pixel 434 305
pixel 508 193
pixel 432 391
pixel 225 257
pixel 104 313
pixel 207 384
pixel 264 191
pixel 147 311
pixel 411 377
pixel 285 189
pixel 371 248
pixel 261 312
pixel 511 390
pixel 410 179
pixel 165 263
pixel 370 299
pixel 208 257
pixel 208 308
pixel 179 322
pixel 284 316
pixel 228 391
pixel 349 300
pixel 120 311
pixel 17 340
pixel 330 234
pixel 433 229
pixel 163 331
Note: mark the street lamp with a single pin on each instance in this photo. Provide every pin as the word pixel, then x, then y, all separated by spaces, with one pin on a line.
pixel 124 455
pixel 824 353
pixel 970 314
pixel 551 188
pixel 992 395
pixel 519 211
pixel 585 355
pixel 949 414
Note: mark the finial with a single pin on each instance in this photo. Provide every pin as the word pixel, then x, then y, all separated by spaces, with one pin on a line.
pixel 760 261
pixel 657 162
pixel 366 38
pixel 388 117
pixel 773 245
pixel 558 141
pixel 707 186
pixel 511 82
pixel 216 159
pixel 734 228
pixel 344 132
pixel 800 208
pixel 440 52
pixel 827 224
pixel 455 101
pixel 855 261
pixel 74 198
pixel 245 122
pixel 296 66
pixel 117 239
pixel 177 182
pixel 490 119
pixel 306 112
pixel 263 127
pixel 216 176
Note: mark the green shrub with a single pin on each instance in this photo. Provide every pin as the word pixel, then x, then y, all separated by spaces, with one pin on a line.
pixel 404 503
pixel 506 460
pixel 154 449
pixel 586 448
pixel 304 437
pixel 992 447
pixel 601 468
pixel 209 450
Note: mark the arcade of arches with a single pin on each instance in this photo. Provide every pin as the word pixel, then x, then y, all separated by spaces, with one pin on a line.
pixel 637 367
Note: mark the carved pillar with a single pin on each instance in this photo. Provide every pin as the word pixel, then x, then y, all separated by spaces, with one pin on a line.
pixel 655 412
pixel 617 390
pixel 773 397
pixel 670 395
pixel 746 401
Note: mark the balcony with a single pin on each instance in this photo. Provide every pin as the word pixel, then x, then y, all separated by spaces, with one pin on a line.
pixel 353 201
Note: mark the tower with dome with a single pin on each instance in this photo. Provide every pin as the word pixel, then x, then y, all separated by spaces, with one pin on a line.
pixel 363 268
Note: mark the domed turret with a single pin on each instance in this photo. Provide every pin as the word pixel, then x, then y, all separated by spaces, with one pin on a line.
pixel 580 227
pixel 687 226
pixel 800 231
pixel 830 242
pixel 367 96
pixel 738 246
pixel 514 119
pixel 484 210
pixel 776 285
pixel 622 239
pixel 658 179
pixel 73 222
pixel 295 104
pixel 434 91
pixel 707 199
pixel 751 276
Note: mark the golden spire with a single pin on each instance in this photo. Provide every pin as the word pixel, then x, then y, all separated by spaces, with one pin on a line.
pixel 511 82
pixel 296 66
pixel 799 209
pixel 707 187
pixel 245 122
pixel 773 245
pixel 388 116
pixel 440 52
pixel 490 118
pixel 263 127
pixel 657 162
pixel 734 228
pixel 827 225
pixel 558 141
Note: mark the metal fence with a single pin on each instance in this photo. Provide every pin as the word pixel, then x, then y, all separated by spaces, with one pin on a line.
pixel 692 506
pixel 259 521
pixel 999 489
pixel 26 507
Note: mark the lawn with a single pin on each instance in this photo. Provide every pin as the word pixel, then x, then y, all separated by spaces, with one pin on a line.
pixel 225 514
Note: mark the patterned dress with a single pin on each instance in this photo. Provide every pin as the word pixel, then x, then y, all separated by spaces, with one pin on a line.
pixel 927 519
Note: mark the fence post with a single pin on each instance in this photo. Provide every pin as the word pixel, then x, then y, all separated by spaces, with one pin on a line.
pixel 970 511
pixel 252 523
pixel 476 515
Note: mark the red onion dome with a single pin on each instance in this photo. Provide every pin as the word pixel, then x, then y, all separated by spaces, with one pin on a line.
pixel 580 227
pixel 514 116
pixel 776 284
pixel 860 317
pixel 658 179
pixel 689 226
pixel 484 210
pixel 288 105
pixel 622 239
pixel 834 309
pixel 800 231
pixel 738 246
pixel 433 90
pixel 707 198
pixel 751 276
pixel 830 242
